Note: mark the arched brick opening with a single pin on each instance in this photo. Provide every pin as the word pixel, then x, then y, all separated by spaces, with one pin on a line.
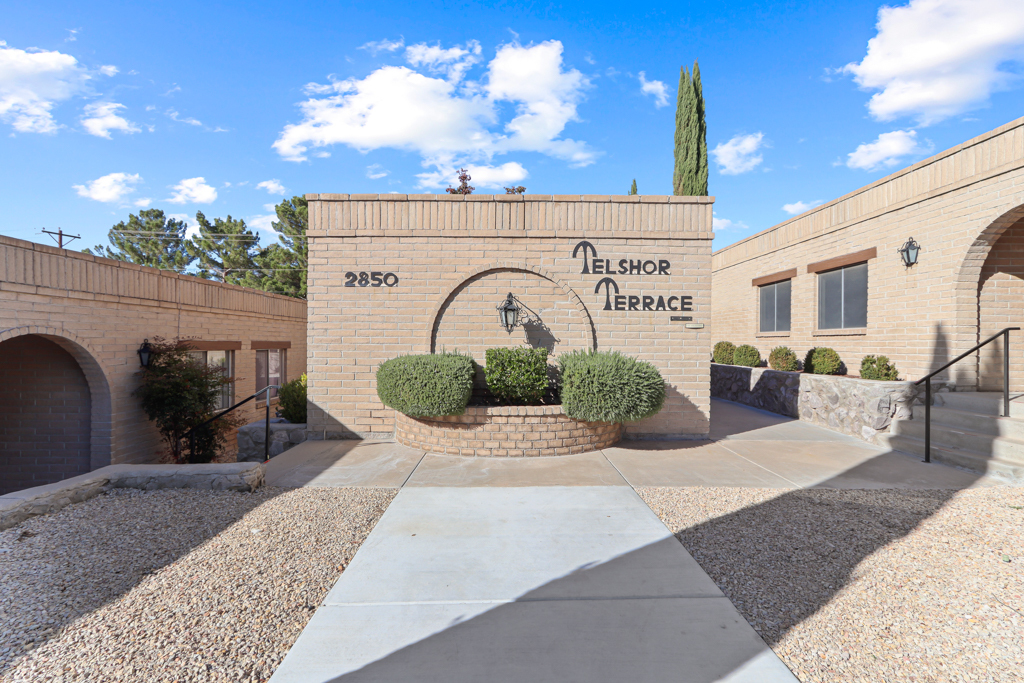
pixel 58 388
pixel 1001 305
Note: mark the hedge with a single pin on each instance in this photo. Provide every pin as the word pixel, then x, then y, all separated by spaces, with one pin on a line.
pixel 723 352
pixel 292 406
pixel 426 386
pixel 517 375
pixel 823 361
pixel 879 367
pixel 783 358
pixel 747 356
pixel 606 386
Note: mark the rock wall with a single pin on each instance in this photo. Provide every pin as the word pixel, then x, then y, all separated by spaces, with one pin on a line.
pixel 858 407
pixel 283 435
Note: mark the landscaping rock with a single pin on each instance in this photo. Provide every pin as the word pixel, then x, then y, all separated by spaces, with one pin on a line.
pixel 283 435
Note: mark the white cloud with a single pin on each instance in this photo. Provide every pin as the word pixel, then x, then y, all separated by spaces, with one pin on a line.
pixel 72 37
pixel 656 88
pixel 191 227
pixel 448 122
pixel 108 70
pixel 193 190
pixel 718 224
pixel 483 176
pixel 102 117
pixel 112 187
pixel 739 154
pixel 264 221
pixel 932 59
pixel 375 46
pixel 453 62
pixel 32 82
pixel 272 186
pixel 886 151
pixel 800 207
pixel 143 203
pixel 175 116
pixel 375 172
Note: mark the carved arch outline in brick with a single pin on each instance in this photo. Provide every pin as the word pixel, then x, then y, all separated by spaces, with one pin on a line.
pixel 101 410
pixel 966 289
pixel 456 281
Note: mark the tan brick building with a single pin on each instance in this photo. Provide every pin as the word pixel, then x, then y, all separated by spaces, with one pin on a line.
pixel 837 271
pixel 407 274
pixel 70 326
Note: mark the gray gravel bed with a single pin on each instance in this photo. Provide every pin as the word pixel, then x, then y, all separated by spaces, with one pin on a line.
pixel 173 585
pixel 867 585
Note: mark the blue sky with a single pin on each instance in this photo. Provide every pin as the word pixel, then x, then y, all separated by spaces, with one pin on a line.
pixel 224 107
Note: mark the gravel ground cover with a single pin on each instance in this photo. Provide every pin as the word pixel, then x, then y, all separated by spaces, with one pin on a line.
pixel 867 585
pixel 176 585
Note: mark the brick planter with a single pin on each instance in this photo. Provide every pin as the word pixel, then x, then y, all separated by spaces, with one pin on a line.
pixel 506 431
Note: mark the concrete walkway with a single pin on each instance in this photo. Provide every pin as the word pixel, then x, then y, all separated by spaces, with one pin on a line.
pixel 553 569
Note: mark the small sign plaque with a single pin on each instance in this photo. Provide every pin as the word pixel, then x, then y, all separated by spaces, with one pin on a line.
pixel 681 318
pixel 695 326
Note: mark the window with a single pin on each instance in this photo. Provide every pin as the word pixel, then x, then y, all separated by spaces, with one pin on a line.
pixel 226 361
pixel 270 369
pixel 843 297
pixel 775 306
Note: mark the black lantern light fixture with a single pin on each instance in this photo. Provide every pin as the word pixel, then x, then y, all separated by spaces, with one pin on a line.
pixel 909 252
pixel 508 312
pixel 145 352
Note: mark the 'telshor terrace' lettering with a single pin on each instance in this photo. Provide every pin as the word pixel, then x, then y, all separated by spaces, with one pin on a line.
pixel 641 302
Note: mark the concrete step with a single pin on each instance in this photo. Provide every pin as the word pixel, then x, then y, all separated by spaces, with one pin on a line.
pixel 980 402
pixel 978 438
pixel 1011 471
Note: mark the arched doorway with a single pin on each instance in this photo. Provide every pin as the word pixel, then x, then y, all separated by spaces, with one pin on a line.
pixel 54 412
pixel 1001 305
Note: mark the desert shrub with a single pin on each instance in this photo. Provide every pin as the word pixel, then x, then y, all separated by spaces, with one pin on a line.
pixel 723 352
pixel 783 358
pixel 517 375
pixel 179 392
pixel 823 361
pixel 747 356
pixel 292 406
pixel 878 367
pixel 606 386
pixel 429 385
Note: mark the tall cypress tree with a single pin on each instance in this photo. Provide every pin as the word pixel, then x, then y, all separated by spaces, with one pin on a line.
pixel 149 239
pixel 632 189
pixel 225 249
pixel 690 176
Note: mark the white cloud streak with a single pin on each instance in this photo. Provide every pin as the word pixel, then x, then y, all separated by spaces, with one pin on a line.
pixel 483 176
pixel 375 172
pixel 932 59
pixel 110 188
pixel 193 190
pixel 375 46
pixel 886 151
pixel 800 207
pixel 453 62
pixel 175 116
pixel 102 117
pixel 719 224
pixel 656 88
pixel 740 154
pixel 272 186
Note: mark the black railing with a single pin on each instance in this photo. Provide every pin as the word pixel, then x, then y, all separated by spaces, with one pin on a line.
pixel 1005 334
pixel 191 434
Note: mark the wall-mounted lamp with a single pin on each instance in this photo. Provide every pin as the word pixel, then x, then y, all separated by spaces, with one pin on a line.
pixel 145 352
pixel 909 252
pixel 508 312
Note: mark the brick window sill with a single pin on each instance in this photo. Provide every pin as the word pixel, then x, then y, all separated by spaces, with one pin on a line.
pixel 847 332
pixel 770 335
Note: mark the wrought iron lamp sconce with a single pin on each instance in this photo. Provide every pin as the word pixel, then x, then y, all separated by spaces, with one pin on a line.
pixel 511 313
pixel 909 251
pixel 145 353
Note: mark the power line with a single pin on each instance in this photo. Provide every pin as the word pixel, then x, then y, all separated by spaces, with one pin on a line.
pixel 61 237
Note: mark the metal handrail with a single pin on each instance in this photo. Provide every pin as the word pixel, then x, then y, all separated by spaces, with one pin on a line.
pixel 191 434
pixel 928 384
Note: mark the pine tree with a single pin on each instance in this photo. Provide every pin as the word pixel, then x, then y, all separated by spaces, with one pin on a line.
pixel 282 266
pixel 690 177
pixel 632 189
pixel 149 239
pixel 225 249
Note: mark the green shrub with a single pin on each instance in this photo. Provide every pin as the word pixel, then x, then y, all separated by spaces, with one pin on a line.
pixel 724 353
pixel 783 358
pixel 293 401
pixel 426 386
pixel 823 361
pixel 879 367
pixel 606 386
pixel 747 356
pixel 517 375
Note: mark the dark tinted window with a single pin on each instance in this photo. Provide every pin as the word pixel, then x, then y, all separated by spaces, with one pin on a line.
pixel 843 298
pixel 775 306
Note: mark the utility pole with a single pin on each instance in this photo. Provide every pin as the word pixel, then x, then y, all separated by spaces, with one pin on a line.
pixel 60 237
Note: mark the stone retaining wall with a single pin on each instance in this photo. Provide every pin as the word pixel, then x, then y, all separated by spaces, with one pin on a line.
pixel 283 435
pixel 858 407
pixel 506 431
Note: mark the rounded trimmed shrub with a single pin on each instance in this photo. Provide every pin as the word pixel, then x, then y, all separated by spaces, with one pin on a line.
pixel 724 352
pixel 517 375
pixel 430 385
pixel 878 367
pixel 606 386
pixel 823 361
pixel 783 358
pixel 747 356
pixel 292 406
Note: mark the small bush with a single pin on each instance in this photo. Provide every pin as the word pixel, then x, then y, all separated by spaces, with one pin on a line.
pixel 517 375
pixel 606 386
pixel 747 356
pixel 293 401
pixel 783 358
pixel 724 352
pixel 823 361
pixel 430 385
pixel 878 367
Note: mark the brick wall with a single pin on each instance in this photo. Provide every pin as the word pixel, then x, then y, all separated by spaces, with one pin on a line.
pixel 44 414
pixel 1001 305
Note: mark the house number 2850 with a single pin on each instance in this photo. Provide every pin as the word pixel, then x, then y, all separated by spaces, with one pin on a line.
pixel 372 279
